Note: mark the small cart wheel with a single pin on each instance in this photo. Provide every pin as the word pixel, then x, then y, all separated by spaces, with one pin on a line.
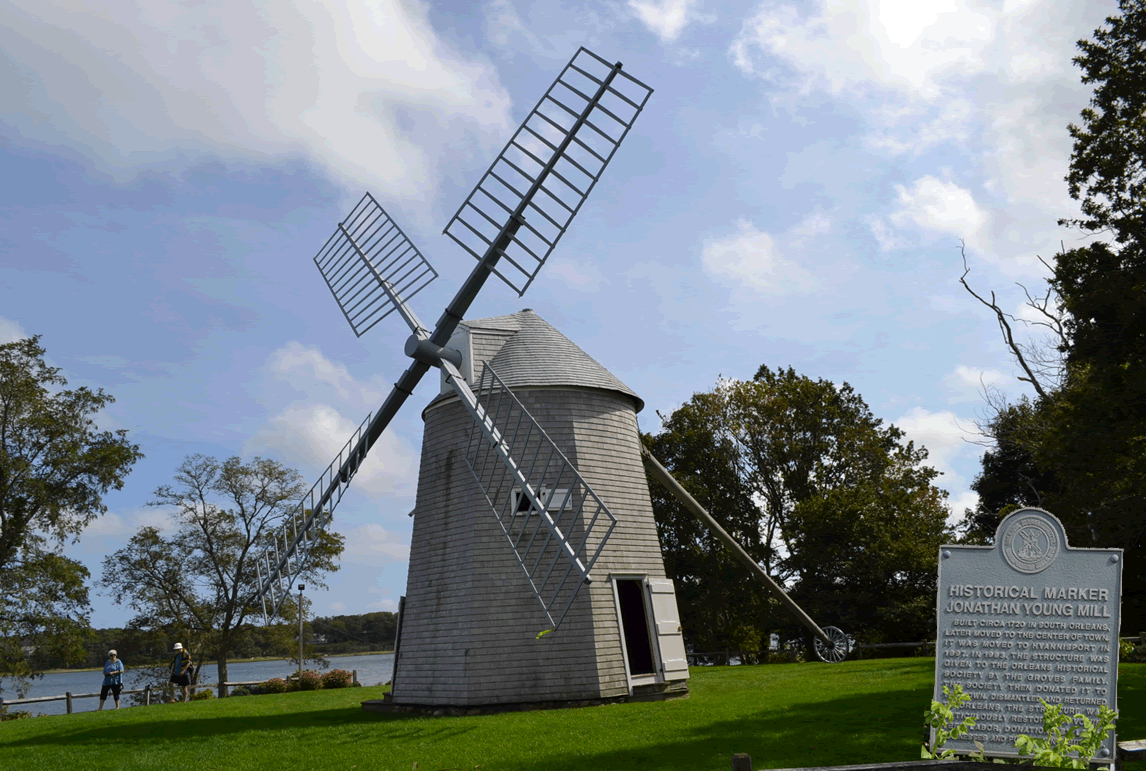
pixel 837 651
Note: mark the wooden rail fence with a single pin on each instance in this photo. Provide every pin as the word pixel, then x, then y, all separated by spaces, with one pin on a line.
pixel 69 696
pixel 756 656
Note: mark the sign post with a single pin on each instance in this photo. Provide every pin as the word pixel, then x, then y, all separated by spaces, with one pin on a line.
pixel 1027 618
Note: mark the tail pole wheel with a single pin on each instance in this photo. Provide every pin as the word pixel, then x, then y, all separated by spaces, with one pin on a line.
pixel 837 651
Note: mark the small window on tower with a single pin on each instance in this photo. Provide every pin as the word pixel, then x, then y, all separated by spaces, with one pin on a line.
pixel 562 500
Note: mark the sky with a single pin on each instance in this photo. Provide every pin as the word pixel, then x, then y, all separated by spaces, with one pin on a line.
pixel 795 193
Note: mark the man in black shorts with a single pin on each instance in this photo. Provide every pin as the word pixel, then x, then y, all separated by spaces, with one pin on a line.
pixel 180 668
pixel 112 679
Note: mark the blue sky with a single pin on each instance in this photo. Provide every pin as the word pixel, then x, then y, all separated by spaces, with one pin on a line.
pixel 794 194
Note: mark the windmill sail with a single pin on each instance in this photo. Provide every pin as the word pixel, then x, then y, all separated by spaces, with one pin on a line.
pixel 538 182
pixel 554 521
pixel 367 262
pixel 560 151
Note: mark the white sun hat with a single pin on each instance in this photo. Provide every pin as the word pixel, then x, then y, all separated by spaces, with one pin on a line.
pixel 178 647
pixel 112 652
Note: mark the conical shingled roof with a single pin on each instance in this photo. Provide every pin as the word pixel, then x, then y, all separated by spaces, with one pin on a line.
pixel 534 353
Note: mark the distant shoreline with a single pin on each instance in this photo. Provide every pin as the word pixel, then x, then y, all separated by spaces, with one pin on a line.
pixel 229 661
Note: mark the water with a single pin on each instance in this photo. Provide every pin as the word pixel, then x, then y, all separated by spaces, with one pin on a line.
pixel 372 669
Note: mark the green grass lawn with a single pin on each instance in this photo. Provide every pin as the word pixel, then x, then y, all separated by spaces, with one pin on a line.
pixel 782 715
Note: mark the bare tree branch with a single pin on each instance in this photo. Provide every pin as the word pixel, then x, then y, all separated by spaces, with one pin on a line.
pixel 1004 327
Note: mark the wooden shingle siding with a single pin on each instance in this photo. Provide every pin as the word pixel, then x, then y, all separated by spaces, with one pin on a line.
pixel 469 635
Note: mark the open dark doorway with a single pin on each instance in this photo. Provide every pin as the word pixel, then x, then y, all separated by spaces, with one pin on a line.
pixel 635 625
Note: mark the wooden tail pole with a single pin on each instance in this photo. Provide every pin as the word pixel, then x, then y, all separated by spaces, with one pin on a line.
pixel 661 474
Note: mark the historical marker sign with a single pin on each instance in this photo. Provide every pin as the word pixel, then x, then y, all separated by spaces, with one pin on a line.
pixel 1027 618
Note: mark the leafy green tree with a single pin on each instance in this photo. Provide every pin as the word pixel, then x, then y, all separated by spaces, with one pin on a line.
pixel 831 502
pixel 703 457
pixel 55 468
pixel 1106 166
pixel 202 579
pixel 1011 477
pixel 1084 439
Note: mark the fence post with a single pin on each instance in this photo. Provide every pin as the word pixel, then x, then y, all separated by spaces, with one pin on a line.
pixel 354 677
pixel 147 695
pixel 68 697
pixel 741 762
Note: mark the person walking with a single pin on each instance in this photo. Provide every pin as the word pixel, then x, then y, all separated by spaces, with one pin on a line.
pixel 180 668
pixel 112 679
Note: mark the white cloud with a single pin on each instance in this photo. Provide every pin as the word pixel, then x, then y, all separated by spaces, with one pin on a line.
pixel 127 523
pixel 665 18
pixel 314 434
pixel 303 368
pixel 992 81
pixel 959 503
pixel 10 331
pixel 375 547
pixel 975 377
pixel 941 207
pixel 910 47
pixel 336 607
pixel 884 236
pixel 749 259
pixel 388 603
pixel 812 227
pixel 366 90
pixel 942 435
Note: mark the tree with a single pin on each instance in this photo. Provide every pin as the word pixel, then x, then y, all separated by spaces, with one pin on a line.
pixel 202 579
pixel 705 460
pixel 55 468
pixel 1084 436
pixel 1011 476
pixel 827 499
pixel 1106 165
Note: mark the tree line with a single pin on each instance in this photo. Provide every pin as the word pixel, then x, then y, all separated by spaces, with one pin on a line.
pixel 323 636
pixel 830 500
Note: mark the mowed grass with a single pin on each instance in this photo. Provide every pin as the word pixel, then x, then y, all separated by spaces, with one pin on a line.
pixel 782 715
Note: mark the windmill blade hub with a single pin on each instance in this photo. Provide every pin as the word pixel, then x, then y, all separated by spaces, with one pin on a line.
pixel 421 349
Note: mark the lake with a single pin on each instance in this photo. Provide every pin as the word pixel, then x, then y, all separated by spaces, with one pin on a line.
pixel 373 669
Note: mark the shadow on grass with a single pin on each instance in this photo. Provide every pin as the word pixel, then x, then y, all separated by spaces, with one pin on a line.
pixel 344 719
pixel 881 727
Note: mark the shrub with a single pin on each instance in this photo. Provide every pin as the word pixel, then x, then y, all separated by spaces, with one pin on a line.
pixel 241 690
pixel 14 714
pixel 275 685
pixel 336 678
pixel 309 680
pixel 1128 652
pixel 202 694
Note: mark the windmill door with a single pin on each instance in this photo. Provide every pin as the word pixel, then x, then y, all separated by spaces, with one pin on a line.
pixel 651 635
pixel 667 629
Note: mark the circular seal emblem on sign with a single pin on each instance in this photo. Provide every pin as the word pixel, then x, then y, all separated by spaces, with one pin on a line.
pixel 1030 545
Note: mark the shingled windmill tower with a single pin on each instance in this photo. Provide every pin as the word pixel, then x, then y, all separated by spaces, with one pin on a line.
pixel 469 622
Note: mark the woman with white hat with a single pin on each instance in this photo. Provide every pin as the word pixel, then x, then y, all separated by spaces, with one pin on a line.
pixel 180 668
pixel 112 679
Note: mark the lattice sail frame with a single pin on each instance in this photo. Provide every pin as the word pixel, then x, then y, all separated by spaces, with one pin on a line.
pixel 556 542
pixel 560 150
pixel 295 537
pixel 368 249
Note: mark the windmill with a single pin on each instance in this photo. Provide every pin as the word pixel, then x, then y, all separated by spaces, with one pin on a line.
pixel 468 626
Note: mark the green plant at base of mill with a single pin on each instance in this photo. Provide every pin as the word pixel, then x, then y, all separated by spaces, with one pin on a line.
pixel 1065 735
pixel 940 716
